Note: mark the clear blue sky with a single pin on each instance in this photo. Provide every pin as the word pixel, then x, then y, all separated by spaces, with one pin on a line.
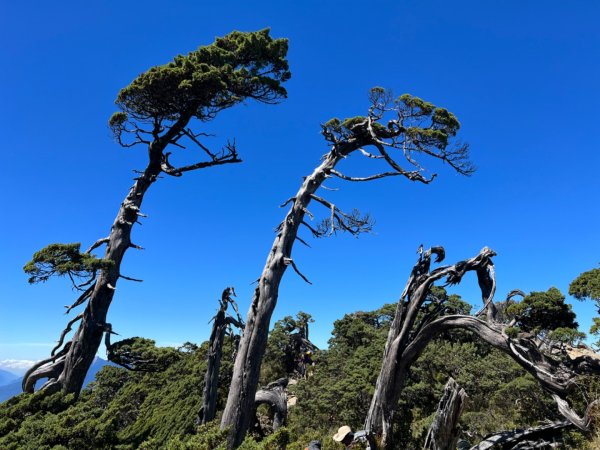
pixel 521 76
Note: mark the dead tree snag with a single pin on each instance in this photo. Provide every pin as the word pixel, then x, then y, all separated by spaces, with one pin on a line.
pixel 443 433
pixel 222 324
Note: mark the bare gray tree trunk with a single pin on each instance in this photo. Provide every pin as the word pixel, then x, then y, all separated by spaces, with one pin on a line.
pixel 222 321
pixel 66 368
pixel 443 433
pixel 404 328
pixel 252 347
pixel 275 395
pixel 405 346
pixel 345 138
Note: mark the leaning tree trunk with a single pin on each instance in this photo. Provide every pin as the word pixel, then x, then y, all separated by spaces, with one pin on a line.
pixel 254 339
pixel 211 379
pixel 389 383
pixel 540 435
pixel 537 437
pixel 68 371
pixel 555 376
pixel 66 368
pixel 409 132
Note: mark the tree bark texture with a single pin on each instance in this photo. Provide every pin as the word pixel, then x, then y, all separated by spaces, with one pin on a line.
pixel 345 138
pixel 408 338
pixel 274 395
pixel 222 321
pixel 530 438
pixel 404 328
pixel 252 347
pixel 444 431
pixel 66 369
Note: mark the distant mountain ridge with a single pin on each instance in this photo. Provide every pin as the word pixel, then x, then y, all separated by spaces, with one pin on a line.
pixel 13 387
pixel 7 377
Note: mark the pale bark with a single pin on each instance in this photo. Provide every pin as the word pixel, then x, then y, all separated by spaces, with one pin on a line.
pixel 252 347
pixel 408 338
pixel 222 321
pixel 275 395
pixel 404 327
pixel 443 432
pixel 530 438
pixel 66 370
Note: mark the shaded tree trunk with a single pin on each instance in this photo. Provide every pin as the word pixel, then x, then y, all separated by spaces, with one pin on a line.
pixel 211 380
pixel 66 369
pixel 404 327
pixel 530 438
pixel 443 433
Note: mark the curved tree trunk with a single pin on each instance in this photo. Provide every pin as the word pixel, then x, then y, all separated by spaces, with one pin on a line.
pixel 404 326
pixel 536 437
pixel 66 369
pixel 555 376
pixel 443 433
pixel 274 395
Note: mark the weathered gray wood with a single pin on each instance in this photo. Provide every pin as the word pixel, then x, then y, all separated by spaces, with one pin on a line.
pixel 407 339
pixel 274 395
pixel 402 331
pixel 345 139
pixel 221 322
pixel 68 372
pixel 527 438
pixel 443 432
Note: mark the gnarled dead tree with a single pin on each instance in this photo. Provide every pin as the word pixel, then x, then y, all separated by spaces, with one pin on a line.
pixel 222 324
pixel 275 396
pixel 443 432
pixel 411 128
pixel 419 319
pixel 155 111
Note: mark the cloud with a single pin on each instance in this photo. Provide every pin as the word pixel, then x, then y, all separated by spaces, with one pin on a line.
pixel 16 365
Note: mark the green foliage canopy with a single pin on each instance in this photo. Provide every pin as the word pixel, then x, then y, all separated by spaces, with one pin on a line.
pixel 141 354
pixel 542 312
pixel 586 286
pixel 237 66
pixel 61 260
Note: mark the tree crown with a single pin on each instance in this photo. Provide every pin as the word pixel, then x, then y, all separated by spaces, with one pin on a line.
pixel 61 260
pixel 237 66
pixel 541 312
pixel 586 286
pixel 405 123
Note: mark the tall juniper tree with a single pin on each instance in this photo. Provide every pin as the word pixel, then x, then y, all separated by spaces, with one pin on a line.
pixel 156 111
pixel 407 126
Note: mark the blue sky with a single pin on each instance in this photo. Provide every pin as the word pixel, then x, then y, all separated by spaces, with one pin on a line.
pixel 522 77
